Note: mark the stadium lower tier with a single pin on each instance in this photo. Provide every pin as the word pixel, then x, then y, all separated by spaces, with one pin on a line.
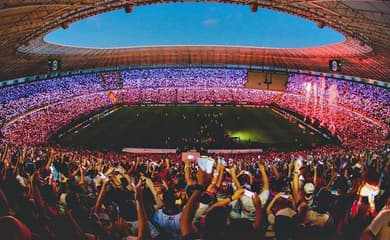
pixel 352 128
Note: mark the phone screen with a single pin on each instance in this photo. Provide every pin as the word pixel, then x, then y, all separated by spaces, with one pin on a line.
pixel 206 164
pixel 190 156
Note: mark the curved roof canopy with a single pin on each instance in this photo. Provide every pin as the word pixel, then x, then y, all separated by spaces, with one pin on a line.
pixel 365 52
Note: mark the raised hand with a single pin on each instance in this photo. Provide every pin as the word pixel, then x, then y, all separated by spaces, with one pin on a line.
pixel 256 201
pixel 203 178
pixel 139 190
pixel 238 194
pixel 261 167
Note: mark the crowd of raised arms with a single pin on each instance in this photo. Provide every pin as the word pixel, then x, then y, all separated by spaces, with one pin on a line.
pixel 326 193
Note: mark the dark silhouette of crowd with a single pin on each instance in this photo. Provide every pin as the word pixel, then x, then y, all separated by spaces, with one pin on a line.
pixel 327 193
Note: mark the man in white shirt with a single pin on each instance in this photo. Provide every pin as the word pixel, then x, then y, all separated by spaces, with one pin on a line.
pixel 379 228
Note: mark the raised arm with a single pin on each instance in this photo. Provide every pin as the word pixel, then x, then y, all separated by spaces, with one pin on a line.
pixel 290 168
pixel 264 177
pixel 50 160
pixel 333 177
pixel 159 203
pixel 82 179
pixel 99 199
pixel 187 171
pixel 315 177
pixel 167 163
pixel 35 178
pixel 259 214
pixel 224 202
pixel 234 177
pixel 220 169
pixel 188 214
pixel 271 204
pixel 295 188
pixel 275 171
pixel 134 166
pixel 143 226
pixel 20 160
pixel 4 152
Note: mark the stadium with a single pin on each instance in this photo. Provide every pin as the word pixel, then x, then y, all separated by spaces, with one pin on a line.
pixel 195 141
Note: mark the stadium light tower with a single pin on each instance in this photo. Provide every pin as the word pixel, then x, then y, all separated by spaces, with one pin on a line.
pixel 320 25
pixel 254 7
pixel 128 8
pixel 65 25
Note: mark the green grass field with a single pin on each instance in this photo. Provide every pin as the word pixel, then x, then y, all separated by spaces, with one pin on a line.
pixel 191 126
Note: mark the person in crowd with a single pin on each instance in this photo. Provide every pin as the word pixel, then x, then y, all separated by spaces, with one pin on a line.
pixel 379 228
pixel 58 193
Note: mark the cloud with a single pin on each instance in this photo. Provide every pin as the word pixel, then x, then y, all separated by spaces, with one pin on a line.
pixel 210 21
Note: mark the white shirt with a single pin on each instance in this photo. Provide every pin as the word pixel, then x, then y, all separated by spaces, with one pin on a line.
pixel 170 223
pixel 380 226
pixel 248 209
pixel 133 227
pixel 317 219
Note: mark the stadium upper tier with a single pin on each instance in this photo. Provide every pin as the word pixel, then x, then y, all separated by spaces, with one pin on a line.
pixel 184 77
pixel 356 112
pixel 18 99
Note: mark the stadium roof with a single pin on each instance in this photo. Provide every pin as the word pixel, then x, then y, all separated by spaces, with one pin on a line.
pixel 365 52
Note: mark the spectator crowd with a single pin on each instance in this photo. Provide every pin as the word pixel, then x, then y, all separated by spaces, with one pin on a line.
pixel 327 193
pixel 370 100
pixel 331 192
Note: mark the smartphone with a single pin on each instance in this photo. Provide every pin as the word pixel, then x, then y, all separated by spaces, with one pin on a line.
pixel 189 155
pixel 334 192
pixel 300 161
pixel 206 164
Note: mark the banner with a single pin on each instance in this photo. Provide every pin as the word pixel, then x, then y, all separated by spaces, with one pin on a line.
pixel 234 151
pixel 148 150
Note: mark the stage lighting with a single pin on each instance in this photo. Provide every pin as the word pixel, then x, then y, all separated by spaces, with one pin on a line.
pixel 335 65
pixel 54 65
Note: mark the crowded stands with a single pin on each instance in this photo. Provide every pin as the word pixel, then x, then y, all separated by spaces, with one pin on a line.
pixel 184 77
pixel 327 193
pixel 330 192
pixel 353 129
pixel 367 99
pixel 36 127
pixel 17 100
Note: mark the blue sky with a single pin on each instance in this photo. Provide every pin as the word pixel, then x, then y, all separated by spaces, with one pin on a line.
pixel 194 24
